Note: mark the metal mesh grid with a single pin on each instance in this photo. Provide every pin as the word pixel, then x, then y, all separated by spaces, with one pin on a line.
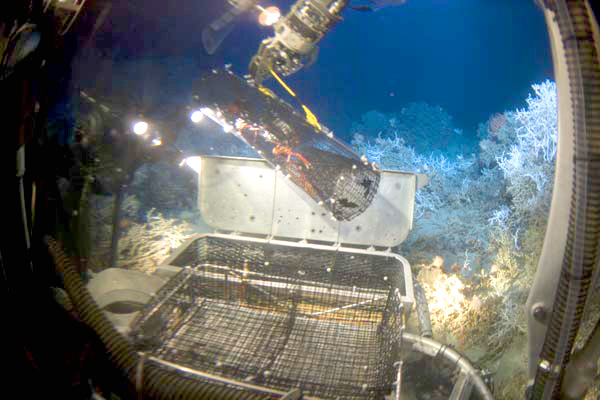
pixel 279 317
pixel 323 167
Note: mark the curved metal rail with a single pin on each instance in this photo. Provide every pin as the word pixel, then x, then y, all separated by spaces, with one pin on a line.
pixel 469 377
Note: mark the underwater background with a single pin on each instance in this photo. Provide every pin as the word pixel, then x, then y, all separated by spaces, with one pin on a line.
pixel 473 58
pixel 458 90
pixel 428 86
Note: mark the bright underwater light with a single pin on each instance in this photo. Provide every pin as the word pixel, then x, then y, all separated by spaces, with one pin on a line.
pixel 140 127
pixel 197 116
pixel 194 162
pixel 208 112
pixel 269 15
pixel 216 117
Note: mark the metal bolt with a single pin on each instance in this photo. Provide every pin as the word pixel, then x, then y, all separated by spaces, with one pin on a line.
pixel 539 313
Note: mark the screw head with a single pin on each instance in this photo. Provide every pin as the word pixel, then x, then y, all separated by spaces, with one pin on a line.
pixel 539 313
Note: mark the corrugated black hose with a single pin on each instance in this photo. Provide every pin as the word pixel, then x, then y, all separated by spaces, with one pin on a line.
pixel 583 238
pixel 158 383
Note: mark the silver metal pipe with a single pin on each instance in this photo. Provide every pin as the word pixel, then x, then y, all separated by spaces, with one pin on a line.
pixel 434 348
pixel 222 379
pixel 399 380
pixel 423 315
pixel 462 388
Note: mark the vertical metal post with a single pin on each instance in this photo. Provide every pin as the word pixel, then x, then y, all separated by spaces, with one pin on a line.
pixel 398 380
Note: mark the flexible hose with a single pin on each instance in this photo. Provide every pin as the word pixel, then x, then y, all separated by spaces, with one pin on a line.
pixel 436 349
pixel 422 310
pixel 584 219
pixel 158 383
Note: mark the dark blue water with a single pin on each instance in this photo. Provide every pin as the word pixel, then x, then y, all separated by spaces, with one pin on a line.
pixel 471 57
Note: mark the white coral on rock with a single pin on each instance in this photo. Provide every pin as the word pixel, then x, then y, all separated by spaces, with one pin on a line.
pixel 144 246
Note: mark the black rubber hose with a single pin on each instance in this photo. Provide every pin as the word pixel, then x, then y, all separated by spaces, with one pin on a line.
pixel 158 383
pixel 583 236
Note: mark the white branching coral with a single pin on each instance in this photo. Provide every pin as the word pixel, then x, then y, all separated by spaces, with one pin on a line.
pixel 529 164
pixel 144 246
pixel 500 217
pixel 448 305
pixel 509 320
pixel 447 301
pixel 505 290
pixel 486 308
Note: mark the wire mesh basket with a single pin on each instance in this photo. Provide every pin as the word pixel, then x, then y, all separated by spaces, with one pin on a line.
pixel 323 167
pixel 281 316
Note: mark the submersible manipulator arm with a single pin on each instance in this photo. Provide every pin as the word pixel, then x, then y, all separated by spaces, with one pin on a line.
pixel 294 43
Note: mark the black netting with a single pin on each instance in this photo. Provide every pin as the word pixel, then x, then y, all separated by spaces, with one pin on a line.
pixel 323 167
pixel 280 316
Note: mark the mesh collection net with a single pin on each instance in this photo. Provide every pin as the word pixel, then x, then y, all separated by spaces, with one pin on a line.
pixel 281 317
pixel 323 167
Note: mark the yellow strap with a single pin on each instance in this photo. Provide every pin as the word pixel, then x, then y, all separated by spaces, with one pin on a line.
pixel 310 117
pixel 282 83
pixel 266 91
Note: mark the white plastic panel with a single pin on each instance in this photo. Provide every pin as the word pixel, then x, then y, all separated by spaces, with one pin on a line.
pixel 248 196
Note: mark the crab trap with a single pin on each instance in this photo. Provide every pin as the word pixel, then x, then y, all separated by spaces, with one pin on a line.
pixel 285 297
pixel 298 293
pixel 276 315
pixel 322 166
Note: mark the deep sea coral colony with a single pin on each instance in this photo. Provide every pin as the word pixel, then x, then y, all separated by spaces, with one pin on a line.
pixel 483 212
